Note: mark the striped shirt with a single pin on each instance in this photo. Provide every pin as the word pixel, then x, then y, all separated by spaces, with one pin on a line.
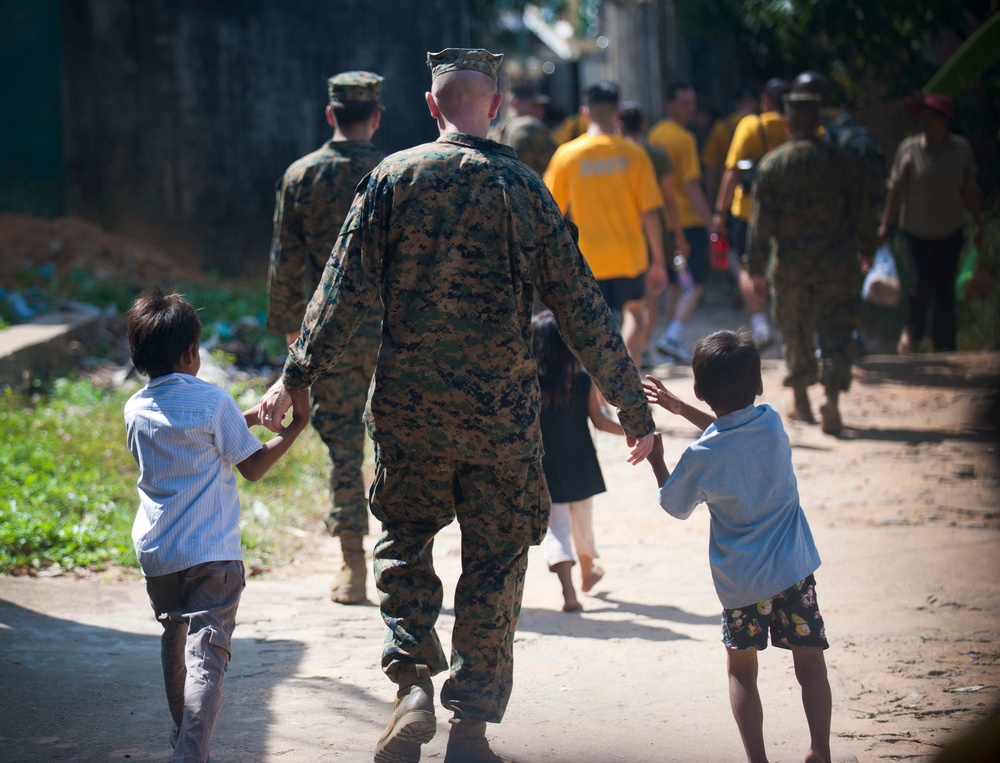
pixel 186 434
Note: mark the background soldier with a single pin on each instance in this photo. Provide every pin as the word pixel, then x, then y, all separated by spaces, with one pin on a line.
pixel 806 213
pixel 313 198
pixel 456 236
pixel 524 131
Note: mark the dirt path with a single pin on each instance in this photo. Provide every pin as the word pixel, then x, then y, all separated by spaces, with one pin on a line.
pixel 905 513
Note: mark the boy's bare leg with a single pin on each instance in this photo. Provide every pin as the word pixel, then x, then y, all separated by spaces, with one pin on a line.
pixel 745 701
pixel 562 570
pixel 810 670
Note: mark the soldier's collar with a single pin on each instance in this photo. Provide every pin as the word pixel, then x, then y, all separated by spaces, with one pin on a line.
pixel 480 144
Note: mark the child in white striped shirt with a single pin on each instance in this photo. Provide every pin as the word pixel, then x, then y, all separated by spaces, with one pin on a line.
pixel 186 435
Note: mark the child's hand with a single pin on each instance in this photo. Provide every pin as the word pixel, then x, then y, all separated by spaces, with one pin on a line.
pixel 655 459
pixel 300 403
pixel 660 395
pixel 656 454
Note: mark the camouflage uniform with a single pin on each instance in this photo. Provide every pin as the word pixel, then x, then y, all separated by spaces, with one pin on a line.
pixel 313 198
pixel 530 138
pixel 456 236
pixel 806 214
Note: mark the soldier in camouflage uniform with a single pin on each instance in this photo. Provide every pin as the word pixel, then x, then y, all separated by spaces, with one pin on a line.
pixel 524 130
pixel 313 198
pixel 806 232
pixel 456 236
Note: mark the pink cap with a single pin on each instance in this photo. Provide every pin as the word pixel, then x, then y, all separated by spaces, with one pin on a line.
pixel 937 101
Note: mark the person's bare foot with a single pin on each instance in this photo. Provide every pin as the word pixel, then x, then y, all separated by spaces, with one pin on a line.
pixel 590 572
pixel 570 602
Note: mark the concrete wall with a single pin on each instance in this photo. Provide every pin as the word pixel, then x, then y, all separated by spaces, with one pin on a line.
pixel 181 115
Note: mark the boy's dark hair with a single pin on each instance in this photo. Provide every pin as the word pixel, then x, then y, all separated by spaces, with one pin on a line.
pixel 160 328
pixel 601 92
pixel 674 87
pixel 353 112
pixel 726 368
pixel 557 365
pixel 631 116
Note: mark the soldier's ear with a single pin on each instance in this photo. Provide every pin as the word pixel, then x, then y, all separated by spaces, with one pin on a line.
pixel 432 106
pixel 495 105
pixel 330 118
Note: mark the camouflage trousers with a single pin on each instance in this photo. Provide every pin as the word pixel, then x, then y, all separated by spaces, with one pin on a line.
pixel 811 310
pixel 338 400
pixel 502 509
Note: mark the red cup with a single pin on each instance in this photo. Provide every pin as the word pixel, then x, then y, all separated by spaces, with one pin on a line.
pixel 718 252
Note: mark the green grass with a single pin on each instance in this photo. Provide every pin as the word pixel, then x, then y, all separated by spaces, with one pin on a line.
pixel 68 494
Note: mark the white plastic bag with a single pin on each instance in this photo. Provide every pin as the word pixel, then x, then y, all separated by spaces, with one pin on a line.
pixel 881 285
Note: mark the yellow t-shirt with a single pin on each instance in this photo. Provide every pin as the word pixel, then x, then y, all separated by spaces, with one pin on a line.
pixel 571 127
pixel 749 143
pixel 683 150
pixel 713 153
pixel 605 183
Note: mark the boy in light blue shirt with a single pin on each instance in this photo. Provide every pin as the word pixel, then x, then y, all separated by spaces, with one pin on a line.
pixel 186 436
pixel 760 547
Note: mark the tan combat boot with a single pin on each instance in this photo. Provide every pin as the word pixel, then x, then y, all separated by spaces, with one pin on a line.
pixel 349 587
pixel 830 414
pixel 801 410
pixel 412 723
pixel 467 744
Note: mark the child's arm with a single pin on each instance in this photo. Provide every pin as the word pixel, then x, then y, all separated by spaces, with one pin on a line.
pixel 599 415
pixel 257 465
pixel 655 459
pixel 657 393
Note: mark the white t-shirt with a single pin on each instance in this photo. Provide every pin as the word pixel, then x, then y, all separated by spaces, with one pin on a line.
pixel 186 434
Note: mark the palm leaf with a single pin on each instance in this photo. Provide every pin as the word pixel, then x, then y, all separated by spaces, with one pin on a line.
pixel 975 56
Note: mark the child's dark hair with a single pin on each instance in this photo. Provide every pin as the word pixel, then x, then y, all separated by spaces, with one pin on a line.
pixel 160 328
pixel 726 368
pixel 557 366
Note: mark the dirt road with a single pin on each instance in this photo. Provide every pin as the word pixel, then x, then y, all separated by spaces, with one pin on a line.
pixel 904 510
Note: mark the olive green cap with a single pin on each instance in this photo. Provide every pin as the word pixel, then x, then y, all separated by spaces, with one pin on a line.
pixel 355 87
pixel 459 59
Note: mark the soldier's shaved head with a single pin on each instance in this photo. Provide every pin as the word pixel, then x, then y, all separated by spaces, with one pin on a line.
pixel 464 100
pixel 453 89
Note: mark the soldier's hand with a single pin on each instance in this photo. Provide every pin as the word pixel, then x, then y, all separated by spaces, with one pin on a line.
pixel 273 406
pixel 640 448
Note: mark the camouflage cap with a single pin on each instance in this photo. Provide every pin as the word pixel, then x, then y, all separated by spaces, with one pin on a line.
pixel 458 59
pixel 355 87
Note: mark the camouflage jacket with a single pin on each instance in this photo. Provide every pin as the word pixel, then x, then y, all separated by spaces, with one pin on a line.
pixel 530 138
pixel 806 214
pixel 456 236
pixel 313 198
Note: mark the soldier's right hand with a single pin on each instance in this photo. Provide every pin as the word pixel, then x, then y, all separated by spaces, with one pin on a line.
pixel 273 406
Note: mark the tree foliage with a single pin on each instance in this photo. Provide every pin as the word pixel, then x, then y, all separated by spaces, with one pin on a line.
pixel 885 47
